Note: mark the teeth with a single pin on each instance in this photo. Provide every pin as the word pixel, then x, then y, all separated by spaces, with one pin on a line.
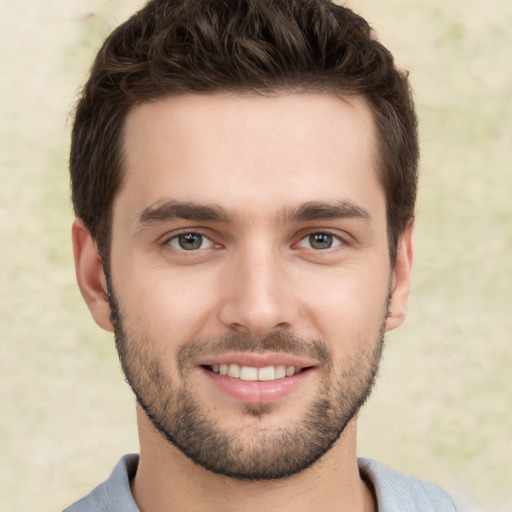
pixel 251 373
pixel 248 373
pixel 234 371
pixel 267 373
pixel 280 372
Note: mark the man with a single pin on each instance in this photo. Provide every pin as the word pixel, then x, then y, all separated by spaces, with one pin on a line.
pixel 244 179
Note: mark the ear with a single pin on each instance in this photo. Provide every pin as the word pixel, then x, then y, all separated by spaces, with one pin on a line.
pixel 89 274
pixel 401 279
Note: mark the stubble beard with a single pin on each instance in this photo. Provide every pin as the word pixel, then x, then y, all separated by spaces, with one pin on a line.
pixel 267 453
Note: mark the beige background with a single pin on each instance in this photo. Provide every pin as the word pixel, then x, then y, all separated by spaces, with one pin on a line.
pixel 442 409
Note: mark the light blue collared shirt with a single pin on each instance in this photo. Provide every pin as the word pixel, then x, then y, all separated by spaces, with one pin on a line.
pixel 395 491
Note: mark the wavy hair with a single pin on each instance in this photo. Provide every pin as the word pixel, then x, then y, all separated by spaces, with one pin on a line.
pixel 175 47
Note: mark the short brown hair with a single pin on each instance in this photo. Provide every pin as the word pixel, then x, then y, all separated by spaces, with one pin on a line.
pixel 268 46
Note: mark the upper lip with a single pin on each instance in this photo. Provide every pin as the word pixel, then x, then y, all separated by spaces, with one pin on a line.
pixel 258 360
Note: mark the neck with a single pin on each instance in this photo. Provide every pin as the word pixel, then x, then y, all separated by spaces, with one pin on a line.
pixel 168 481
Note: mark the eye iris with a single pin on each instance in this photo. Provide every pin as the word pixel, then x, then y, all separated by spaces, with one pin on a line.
pixel 190 241
pixel 320 240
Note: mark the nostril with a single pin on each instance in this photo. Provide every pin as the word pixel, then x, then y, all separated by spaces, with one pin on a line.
pixel 239 328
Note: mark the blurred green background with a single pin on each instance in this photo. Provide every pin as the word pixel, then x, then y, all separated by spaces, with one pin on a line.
pixel 442 409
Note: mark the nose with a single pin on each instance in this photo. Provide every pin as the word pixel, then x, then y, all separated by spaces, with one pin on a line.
pixel 257 295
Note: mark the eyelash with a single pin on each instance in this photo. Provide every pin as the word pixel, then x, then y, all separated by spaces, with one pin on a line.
pixel 176 236
pixel 337 240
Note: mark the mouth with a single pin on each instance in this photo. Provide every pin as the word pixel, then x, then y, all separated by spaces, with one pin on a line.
pixel 258 378
pixel 253 373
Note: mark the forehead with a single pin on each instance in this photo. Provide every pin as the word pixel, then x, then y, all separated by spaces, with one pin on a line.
pixel 248 152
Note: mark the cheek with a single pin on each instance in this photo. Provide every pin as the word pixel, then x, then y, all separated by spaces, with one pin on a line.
pixel 348 305
pixel 165 305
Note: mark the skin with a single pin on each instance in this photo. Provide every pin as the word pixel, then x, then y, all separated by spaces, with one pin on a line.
pixel 259 158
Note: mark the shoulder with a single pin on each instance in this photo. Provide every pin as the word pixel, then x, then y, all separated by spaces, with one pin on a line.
pixel 397 491
pixel 113 494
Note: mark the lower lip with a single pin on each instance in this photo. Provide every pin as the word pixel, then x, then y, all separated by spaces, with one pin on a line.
pixel 257 392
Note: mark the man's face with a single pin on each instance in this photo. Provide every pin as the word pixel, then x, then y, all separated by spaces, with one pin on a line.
pixel 249 238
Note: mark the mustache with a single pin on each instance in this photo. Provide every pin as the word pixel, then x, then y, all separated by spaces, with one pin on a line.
pixel 283 342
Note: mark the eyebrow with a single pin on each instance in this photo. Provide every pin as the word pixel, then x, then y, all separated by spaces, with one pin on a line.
pixel 319 210
pixel 183 210
pixel 312 210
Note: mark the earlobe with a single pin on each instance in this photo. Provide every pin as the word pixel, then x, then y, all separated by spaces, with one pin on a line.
pixel 90 275
pixel 401 279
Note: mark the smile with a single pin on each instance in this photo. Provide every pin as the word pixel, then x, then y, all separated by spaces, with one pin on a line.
pixel 251 373
pixel 252 377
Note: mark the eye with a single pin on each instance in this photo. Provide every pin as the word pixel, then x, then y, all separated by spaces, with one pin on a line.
pixel 320 241
pixel 190 241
